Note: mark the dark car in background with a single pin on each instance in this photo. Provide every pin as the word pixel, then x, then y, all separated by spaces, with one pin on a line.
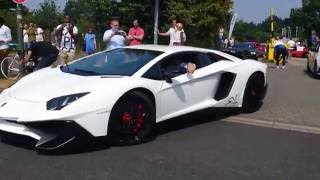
pixel 243 50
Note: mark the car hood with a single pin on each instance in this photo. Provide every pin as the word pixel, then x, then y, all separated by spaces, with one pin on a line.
pixel 48 83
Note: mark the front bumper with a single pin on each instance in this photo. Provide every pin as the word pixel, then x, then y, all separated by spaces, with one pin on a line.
pixel 47 135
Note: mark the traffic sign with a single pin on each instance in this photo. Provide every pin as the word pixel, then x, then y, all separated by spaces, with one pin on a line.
pixel 19 1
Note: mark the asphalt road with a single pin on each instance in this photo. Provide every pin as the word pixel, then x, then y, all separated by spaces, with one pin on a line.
pixel 206 149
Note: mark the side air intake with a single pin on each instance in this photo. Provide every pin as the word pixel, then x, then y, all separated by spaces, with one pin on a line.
pixel 225 85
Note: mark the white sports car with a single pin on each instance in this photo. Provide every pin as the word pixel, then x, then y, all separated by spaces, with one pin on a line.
pixel 124 92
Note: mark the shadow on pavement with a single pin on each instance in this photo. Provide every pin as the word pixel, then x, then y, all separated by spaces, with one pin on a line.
pixel 99 144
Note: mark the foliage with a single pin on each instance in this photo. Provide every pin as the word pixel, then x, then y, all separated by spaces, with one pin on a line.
pixel 201 20
pixel 307 17
pixel 7 4
pixel 48 15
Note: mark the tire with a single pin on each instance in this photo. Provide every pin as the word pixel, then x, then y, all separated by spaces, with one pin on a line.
pixel 10 68
pixel 132 120
pixel 315 69
pixel 254 93
pixel 308 66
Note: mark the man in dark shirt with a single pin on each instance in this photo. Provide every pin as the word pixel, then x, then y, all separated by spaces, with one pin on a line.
pixel 43 52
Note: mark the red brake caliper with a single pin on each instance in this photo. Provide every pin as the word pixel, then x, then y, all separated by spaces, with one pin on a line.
pixel 126 118
pixel 140 118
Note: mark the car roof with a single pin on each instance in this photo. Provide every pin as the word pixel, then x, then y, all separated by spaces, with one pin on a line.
pixel 168 49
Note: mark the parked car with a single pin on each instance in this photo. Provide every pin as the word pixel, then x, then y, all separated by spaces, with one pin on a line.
pixel 261 48
pixel 123 93
pixel 313 62
pixel 243 51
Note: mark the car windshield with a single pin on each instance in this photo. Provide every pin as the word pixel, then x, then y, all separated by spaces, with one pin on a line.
pixel 122 62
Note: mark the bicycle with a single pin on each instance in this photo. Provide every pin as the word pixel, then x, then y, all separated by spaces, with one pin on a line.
pixel 11 68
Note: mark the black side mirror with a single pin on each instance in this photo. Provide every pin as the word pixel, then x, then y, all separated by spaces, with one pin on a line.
pixel 167 77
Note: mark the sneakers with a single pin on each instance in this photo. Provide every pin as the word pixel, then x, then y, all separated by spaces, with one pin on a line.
pixel 283 67
pixel 277 67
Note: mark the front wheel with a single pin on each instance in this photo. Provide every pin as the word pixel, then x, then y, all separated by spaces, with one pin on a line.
pixel 132 120
pixel 10 68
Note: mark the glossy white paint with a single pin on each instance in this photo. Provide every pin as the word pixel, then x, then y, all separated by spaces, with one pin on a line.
pixel 26 100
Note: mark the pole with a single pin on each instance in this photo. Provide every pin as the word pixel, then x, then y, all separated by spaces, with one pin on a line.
pixel 296 32
pixel 19 28
pixel 156 20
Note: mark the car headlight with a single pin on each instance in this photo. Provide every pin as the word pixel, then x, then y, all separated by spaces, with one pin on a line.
pixel 60 102
pixel 253 53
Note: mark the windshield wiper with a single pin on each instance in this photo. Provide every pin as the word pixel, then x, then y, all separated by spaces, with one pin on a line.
pixel 88 72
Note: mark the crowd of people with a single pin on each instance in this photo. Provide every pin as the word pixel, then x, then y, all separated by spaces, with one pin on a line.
pixel 64 37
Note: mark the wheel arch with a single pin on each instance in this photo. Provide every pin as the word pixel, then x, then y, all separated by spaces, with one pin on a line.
pixel 145 91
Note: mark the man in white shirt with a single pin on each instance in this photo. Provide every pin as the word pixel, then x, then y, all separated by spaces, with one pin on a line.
pixel 114 37
pixel 170 32
pixel 5 38
pixel 68 32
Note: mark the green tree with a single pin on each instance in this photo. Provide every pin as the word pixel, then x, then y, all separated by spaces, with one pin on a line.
pixel 307 17
pixel 201 20
pixel 48 15
pixel 5 4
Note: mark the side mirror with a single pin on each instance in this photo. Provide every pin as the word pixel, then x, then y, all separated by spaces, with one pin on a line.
pixel 167 77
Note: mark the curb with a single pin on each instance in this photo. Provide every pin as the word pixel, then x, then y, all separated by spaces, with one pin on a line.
pixel 276 125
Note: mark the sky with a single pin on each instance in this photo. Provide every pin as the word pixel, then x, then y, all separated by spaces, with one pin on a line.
pixel 248 10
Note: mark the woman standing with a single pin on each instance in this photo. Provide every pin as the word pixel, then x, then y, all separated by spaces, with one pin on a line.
pixel 90 42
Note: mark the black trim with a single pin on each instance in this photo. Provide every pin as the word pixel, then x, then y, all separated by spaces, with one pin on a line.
pixel 54 134
pixel 225 85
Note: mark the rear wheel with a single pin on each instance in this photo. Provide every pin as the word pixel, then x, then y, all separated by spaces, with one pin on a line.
pixel 254 93
pixel 308 66
pixel 315 69
pixel 10 68
pixel 132 120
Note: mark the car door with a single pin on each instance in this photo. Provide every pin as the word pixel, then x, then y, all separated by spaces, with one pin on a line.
pixel 188 92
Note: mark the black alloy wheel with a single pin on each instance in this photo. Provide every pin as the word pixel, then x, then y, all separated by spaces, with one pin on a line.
pixel 132 120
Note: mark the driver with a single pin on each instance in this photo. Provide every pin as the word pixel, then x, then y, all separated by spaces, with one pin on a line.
pixel 43 52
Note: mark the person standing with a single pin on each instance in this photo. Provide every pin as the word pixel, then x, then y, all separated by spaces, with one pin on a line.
pixel 280 49
pixel 68 32
pixel 25 37
pixel 114 37
pixel 136 34
pixel 170 32
pixel 179 36
pixel 90 42
pixel 32 32
pixel 39 35
pixel 5 38
pixel 53 38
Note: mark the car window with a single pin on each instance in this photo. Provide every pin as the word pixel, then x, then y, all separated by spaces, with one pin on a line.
pixel 153 73
pixel 213 57
pixel 175 65
pixel 122 61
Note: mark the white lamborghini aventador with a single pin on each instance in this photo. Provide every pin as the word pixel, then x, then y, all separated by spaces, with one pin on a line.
pixel 124 92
